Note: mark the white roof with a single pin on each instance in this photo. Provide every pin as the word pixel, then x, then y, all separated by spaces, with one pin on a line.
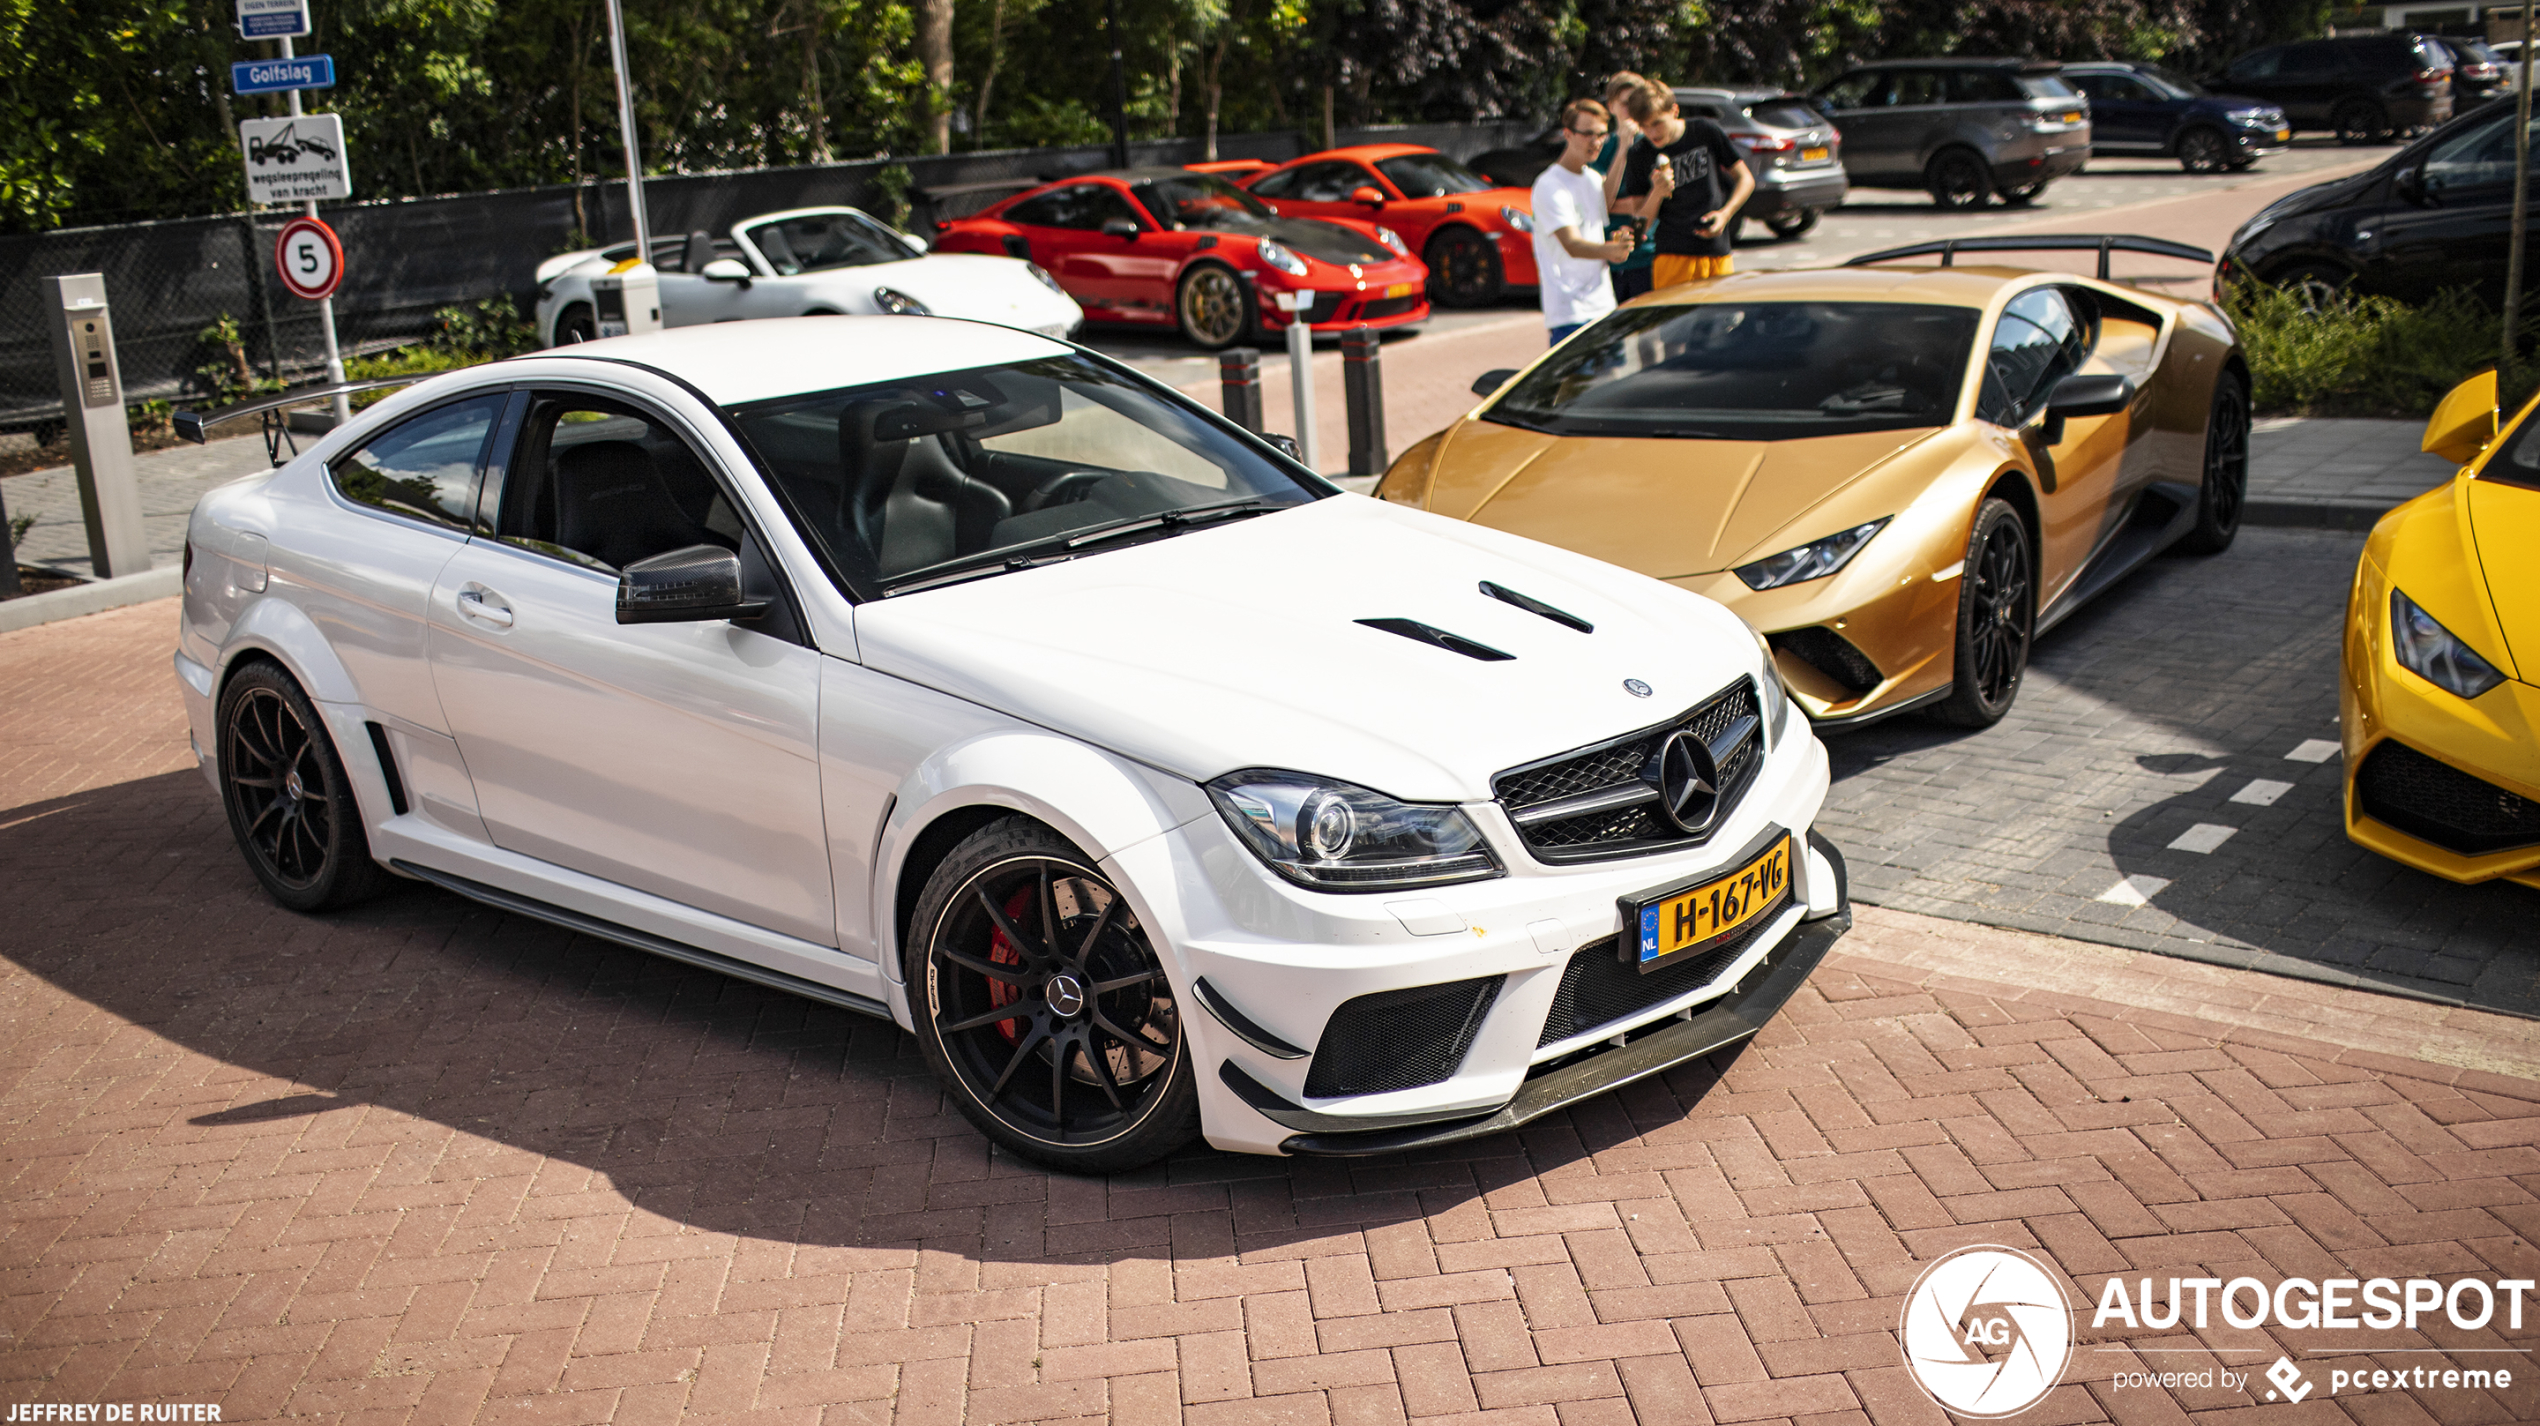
pixel 734 362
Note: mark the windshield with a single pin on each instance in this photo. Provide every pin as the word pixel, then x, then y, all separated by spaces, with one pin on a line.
pixel 2047 86
pixel 1786 113
pixel 817 242
pixel 1201 200
pixel 1758 371
pixel 909 476
pixel 1430 175
pixel 2179 85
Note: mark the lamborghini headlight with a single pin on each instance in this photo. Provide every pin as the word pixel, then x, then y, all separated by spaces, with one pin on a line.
pixel 1814 560
pixel 1334 836
pixel 2432 653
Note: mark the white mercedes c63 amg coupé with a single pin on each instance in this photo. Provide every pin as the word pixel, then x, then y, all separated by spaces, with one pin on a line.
pixel 953 674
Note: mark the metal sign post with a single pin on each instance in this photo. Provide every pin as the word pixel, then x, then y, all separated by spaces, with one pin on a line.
pixel 626 131
pixel 101 439
pixel 302 157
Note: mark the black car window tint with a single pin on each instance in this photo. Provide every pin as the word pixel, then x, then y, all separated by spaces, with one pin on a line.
pixel 2264 64
pixel 2481 156
pixel 1328 182
pixel 1054 209
pixel 1982 86
pixel 1854 91
pixel 1918 86
pixel 424 468
pixel 1104 204
pixel 1430 175
pixel 1783 114
pixel 2314 57
pixel 2037 343
pixel 602 484
pixel 1276 185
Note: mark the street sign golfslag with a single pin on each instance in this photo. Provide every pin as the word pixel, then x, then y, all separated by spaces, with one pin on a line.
pixel 273 76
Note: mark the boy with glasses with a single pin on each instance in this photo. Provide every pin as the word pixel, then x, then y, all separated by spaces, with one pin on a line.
pixel 1686 178
pixel 1571 252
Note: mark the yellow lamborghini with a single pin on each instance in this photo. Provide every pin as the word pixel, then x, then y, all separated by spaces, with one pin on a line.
pixel 2439 706
pixel 1899 475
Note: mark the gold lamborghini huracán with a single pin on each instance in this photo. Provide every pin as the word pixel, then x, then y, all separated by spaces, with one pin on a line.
pixel 1899 475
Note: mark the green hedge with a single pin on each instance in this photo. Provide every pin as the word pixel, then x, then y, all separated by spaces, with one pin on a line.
pixel 2364 356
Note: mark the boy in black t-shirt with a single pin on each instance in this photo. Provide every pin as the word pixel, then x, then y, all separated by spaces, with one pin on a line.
pixel 1688 175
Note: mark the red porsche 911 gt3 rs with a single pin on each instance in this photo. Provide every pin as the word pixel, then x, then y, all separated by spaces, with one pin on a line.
pixel 1477 238
pixel 1171 247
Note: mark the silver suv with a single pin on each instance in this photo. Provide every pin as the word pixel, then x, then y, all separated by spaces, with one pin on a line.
pixel 1965 130
pixel 1794 153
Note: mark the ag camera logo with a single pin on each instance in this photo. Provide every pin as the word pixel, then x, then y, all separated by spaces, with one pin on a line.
pixel 1988 1331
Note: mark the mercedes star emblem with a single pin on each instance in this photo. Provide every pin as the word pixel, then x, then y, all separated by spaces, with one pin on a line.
pixel 1065 995
pixel 1635 688
pixel 1688 781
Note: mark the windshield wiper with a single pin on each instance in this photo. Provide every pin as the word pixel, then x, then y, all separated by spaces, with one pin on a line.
pixel 1052 549
pixel 1176 520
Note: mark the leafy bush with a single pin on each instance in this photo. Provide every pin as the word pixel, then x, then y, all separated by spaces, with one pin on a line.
pixel 2363 356
pixel 492 329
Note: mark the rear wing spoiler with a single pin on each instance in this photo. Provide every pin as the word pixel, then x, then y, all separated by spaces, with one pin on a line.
pixel 2103 244
pixel 272 412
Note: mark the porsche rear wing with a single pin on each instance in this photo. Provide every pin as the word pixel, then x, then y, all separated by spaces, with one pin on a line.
pixel 2103 244
pixel 273 411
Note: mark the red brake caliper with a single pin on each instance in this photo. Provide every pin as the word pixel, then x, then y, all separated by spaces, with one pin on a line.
pixel 1005 953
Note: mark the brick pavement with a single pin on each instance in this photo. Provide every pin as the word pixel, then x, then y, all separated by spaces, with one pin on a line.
pixel 423 1162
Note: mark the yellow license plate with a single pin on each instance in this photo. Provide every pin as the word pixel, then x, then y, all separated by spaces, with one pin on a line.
pixel 1698 918
pixel 2283 136
pixel 1402 289
pixel 1813 155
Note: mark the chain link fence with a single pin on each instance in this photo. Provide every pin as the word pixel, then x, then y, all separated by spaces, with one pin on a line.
pixel 407 259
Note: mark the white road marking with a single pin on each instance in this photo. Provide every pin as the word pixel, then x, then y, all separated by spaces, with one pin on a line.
pixel 2202 838
pixel 2134 890
pixel 2260 792
pixel 2313 750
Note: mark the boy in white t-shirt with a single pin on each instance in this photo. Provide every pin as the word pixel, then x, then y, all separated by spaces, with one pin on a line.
pixel 1571 253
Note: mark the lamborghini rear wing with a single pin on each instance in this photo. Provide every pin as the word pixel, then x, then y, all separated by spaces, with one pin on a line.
pixel 2102 244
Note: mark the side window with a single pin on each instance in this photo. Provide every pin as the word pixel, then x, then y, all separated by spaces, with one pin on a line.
pixel 424 468
pixel 1918 86
pixel 1852 91
pixel 1982 86
pixel 1329 182
pixel 2313 59
pixel 1054 209
pixel 1103 203
pixel 2482 157
pixel 2262 65
pixel 2037 343
pixel 1277 185
pixel 603 484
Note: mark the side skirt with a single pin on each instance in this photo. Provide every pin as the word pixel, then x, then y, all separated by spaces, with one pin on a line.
pixel 2162 515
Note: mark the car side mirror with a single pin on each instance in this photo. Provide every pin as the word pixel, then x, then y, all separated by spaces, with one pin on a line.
pixel 1367 194
pixel 2410 184
pixel 2085 396
pixel 1120 228
pixel 2464 420
pixel 725 269
pixel 685 586
pixel 1287 446
pixel 1489 382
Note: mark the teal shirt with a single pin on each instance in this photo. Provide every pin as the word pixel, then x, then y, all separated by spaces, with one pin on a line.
pixel 1647 252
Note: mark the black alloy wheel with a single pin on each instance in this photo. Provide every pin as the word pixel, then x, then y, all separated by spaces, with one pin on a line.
pixel 2225 491
pixel 1463 268
pixel 2204 150
pixel 577 324
pixel 1996 616
pixel 290 805
pixel 1958 180
pixel 1210 306
pixel 1791 222
pixel 2361 121
pixel 1044 1008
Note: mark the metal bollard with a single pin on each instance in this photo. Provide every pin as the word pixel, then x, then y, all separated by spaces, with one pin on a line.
pixel 1363 390
pixel 1301 374
pixel 8 552
pixel 1239 373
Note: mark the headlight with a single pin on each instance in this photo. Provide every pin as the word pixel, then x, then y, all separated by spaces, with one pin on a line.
pixel 2429 651
pixel 899 304
pixel 1277 255
pixel 1519 219
pixel 1776 694
pixel 1815 560
pixel 1393 240
pixel 1332 836
pixel 2247 116
pixel 1043 274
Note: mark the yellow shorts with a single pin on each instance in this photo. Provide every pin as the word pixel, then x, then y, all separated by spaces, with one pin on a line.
pixel 1669 269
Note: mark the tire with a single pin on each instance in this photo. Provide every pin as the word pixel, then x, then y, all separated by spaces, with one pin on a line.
pixel 2361 121
pixel 2205 149
pixel 1209 305
pixel 1997 614
pixel 1084 1090
pixel 2224 492
pixel 2318 285
pixel 1463 268
pixel 577 323
pixel 290 805
pixel 1792 223
pixel 1958 180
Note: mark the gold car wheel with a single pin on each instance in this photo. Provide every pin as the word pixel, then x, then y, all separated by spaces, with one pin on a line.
pixel 1211 306
pixel 1995 619
pixel 2226 485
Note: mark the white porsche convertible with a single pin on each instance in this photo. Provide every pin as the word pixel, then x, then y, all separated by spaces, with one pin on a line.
pixel 957 676
pixel 808 262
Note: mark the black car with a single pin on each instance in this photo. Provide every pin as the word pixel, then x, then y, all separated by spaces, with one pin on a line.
pixel 2364 87
pixel 2437 214
pixel 2477 75
pixel 2145 109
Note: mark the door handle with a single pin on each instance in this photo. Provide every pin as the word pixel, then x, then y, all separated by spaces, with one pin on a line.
pixel 475 604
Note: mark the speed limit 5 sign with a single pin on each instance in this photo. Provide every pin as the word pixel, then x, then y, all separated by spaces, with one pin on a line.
pixel 309 258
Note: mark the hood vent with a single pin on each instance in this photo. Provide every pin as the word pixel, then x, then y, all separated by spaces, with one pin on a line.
pixel 1453 643
pixel 1532 605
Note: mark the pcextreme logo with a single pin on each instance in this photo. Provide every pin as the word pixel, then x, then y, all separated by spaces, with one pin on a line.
pixel 1988 1331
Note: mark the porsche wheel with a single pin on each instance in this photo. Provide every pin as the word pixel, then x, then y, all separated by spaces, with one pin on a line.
pixel 2226 485
pixel 2204 150
pixel 1042 1005
pixel 1463 268
pixel 1210 306
pixel 1996 613
pixel 290 805
pixel 577 324
pixel 1958 180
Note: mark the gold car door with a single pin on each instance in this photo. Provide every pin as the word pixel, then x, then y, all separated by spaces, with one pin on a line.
pixel 2037 342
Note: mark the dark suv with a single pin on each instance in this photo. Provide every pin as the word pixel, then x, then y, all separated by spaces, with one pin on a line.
pixel 2365 87
pixel 2477 75
pixel 2145 109
pixel 1961 129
